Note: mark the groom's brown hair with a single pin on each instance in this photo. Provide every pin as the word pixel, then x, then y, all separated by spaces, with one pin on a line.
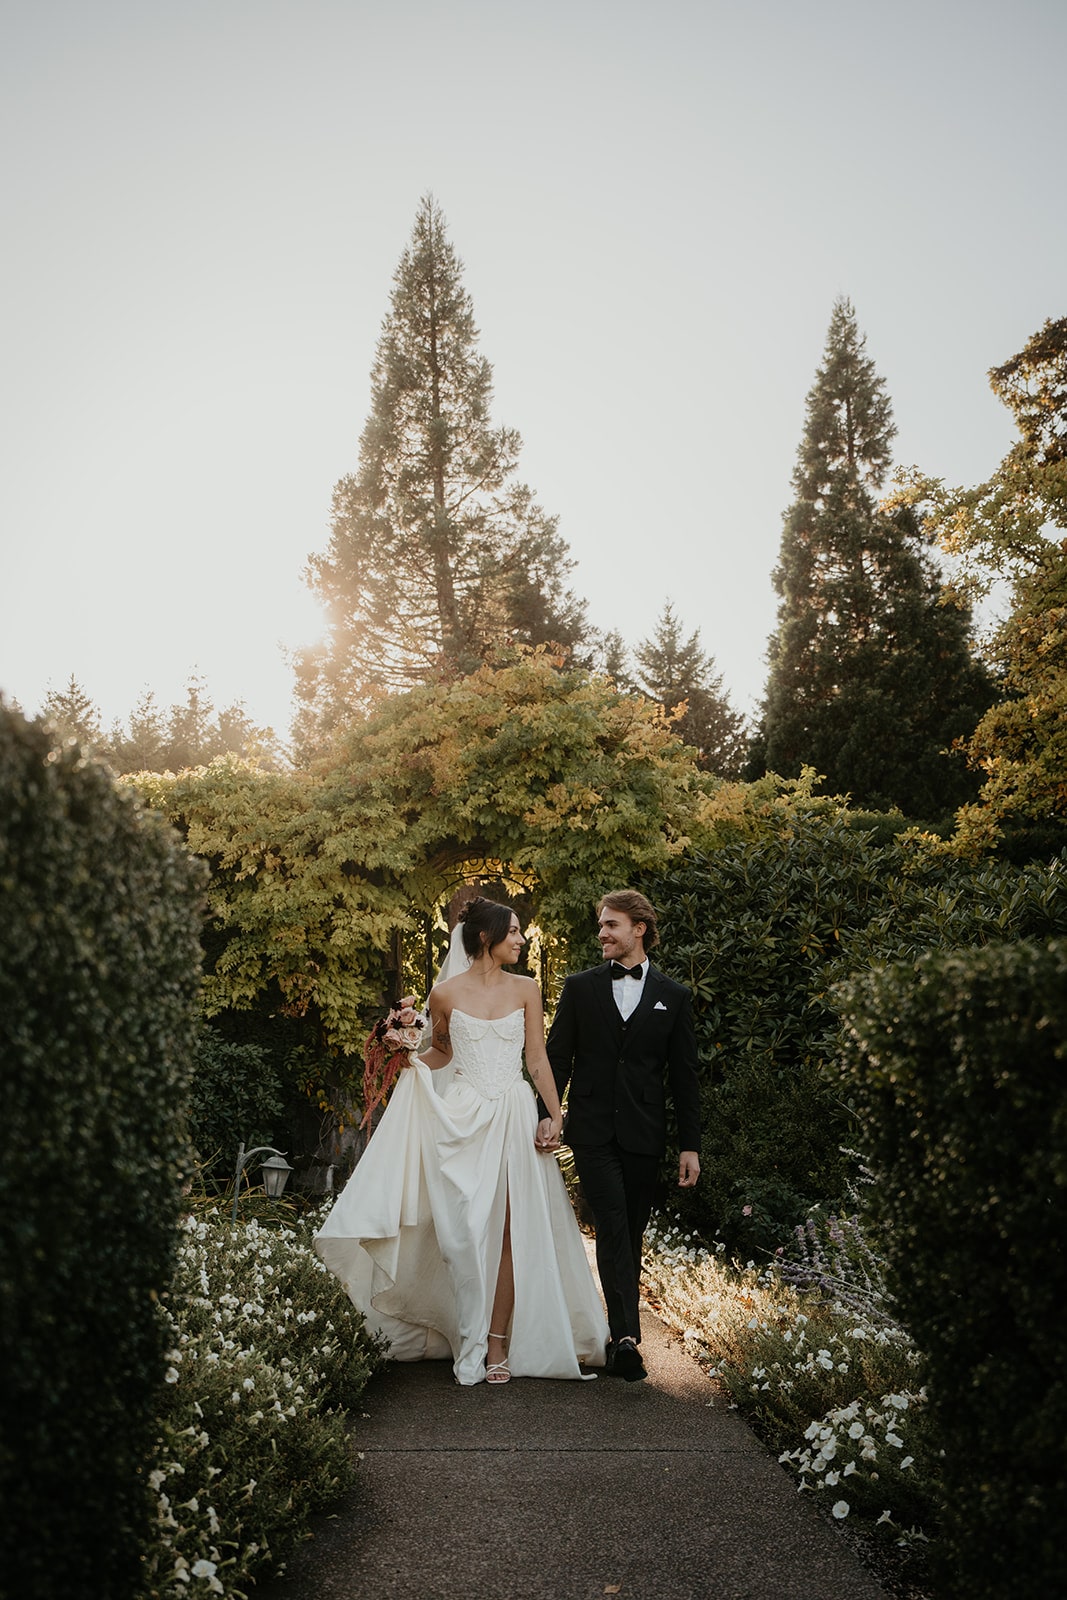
pixel 633 905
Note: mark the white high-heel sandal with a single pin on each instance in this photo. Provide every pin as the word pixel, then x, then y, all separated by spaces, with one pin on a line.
pixel 498 1371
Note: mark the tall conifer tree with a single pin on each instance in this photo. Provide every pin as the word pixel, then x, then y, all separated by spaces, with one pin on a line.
pixel 73 714
pixel 672 669
pixel 437 555
pixel 871 671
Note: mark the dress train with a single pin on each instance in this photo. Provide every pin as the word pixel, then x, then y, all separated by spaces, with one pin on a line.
pixel 416 1234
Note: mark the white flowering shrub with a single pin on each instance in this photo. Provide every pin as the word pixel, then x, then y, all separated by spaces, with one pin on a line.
pixel 265 1353
pixel 836 1390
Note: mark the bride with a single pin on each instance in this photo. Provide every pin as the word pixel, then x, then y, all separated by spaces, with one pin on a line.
pixel 454 1235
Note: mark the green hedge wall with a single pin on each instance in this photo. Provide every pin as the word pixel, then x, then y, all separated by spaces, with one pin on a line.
pixel 236 1097
pixel 761 930
pixel 99 970
pixel 958 1064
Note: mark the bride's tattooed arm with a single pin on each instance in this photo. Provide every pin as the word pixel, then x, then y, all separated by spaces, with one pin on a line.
pixel 440 1052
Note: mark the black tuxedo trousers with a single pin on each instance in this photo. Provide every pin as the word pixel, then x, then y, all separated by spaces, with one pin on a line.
pixel 617 1076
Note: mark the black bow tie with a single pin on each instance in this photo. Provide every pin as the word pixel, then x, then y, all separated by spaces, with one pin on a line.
pixel 619 971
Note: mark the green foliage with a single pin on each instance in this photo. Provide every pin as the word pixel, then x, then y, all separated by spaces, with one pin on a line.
pixel 956 1064
pixel 871 674
pixel 99 967
pixel 1002 530
pixel 760 929
pixel 235 1098
pixel 266 1353
pixel 437 556
pixel 548 779
pixel 674 670
pixel 751 928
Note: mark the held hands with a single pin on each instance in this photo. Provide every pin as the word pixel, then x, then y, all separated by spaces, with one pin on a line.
pixel 688 1169
pixel 548 1132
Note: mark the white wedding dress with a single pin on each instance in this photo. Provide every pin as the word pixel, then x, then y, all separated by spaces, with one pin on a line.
pixel 415 1235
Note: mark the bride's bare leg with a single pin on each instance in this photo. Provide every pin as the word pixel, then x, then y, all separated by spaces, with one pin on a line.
pixel 503 1305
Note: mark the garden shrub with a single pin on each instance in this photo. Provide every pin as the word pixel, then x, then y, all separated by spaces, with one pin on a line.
pixel 237 1096
pixel 957 1064
pixel 99 971
pixel 828 1381
pixel 265 1356
pixel 760 929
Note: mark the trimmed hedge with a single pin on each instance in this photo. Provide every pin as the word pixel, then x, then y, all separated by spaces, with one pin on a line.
pixel 761 930
pixel 236 1097
pixel 957 1064
pixel 99 971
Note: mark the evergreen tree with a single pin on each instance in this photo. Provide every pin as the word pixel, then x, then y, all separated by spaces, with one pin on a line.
pixel 189 734
pixel 437 556
pixel 613 660
pixel 142 745
pixel 73 714
pixel 673 669
pixel 871 673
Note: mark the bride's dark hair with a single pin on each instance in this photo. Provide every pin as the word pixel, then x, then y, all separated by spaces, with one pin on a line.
pixel 484 916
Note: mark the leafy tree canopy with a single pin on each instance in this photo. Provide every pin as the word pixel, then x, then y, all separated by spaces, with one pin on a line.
pixel 1008 528
pixel 545 776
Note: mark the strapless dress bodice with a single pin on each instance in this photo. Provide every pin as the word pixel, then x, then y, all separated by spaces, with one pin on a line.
pixel 487 1054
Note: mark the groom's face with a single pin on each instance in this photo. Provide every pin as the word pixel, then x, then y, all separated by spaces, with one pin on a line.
pixel 621 939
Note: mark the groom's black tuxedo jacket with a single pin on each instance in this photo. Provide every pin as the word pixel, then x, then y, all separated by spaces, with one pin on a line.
pixel 618 1072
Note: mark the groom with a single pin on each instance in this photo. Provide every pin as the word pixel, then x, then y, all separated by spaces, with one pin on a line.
pixel 619 1032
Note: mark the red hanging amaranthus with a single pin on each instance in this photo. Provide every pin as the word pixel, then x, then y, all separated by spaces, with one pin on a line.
pixel 389 1048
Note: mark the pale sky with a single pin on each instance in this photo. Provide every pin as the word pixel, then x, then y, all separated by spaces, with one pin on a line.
pixel 656 204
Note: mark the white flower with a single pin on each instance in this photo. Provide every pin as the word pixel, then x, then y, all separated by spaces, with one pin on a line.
pixel 172 1375
pixel 856 1430
pixel 840 1510
pixel 894 1439
pixel 204 1569
pixel 249 1383
pixel 907 1461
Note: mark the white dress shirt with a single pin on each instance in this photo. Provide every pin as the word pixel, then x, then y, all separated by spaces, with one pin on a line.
pixel 628 991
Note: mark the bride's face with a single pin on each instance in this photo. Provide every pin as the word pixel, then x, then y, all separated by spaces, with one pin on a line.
pixel 509 949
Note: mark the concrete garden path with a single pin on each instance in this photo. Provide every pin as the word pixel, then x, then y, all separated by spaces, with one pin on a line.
pixel 568 1491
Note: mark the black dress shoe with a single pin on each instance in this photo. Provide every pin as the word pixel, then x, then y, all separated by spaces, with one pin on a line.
pixel 624 1361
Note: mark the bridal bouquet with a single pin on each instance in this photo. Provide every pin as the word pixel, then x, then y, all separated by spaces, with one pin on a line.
pixel 390 1046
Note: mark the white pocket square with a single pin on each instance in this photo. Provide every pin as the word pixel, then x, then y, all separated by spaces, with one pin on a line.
pixel 659 1006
